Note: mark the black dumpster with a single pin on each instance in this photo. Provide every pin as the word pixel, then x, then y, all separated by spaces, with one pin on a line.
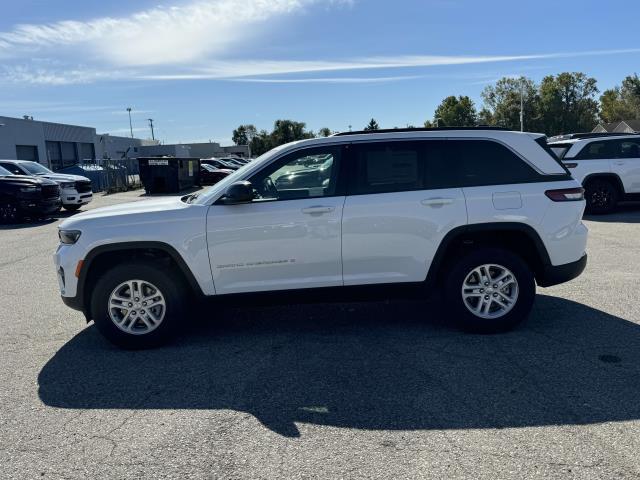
pixel 169 174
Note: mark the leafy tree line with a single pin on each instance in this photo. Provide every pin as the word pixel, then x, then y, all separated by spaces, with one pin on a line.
pixel 563 103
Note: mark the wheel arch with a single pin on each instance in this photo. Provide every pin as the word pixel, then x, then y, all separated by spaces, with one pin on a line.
pixel 113 253
pixel 520 238
pixel 615 179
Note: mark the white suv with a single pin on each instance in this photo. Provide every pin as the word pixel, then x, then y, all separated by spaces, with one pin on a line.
pixel 75 190
pixel 484 213
pixel 606 164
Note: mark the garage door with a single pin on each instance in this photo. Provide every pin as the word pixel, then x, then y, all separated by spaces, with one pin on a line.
pixel 27 152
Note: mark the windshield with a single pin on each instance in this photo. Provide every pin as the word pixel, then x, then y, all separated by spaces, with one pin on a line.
pixel 35 168
pixel 4 172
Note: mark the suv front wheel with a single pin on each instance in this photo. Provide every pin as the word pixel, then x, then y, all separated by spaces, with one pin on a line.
pixel 138 305
pixel 490 290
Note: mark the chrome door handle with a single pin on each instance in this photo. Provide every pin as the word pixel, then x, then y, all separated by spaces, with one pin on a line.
pixel 318 209
pixel 437 202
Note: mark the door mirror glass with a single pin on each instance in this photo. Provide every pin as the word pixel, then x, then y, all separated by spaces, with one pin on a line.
pixel 238 192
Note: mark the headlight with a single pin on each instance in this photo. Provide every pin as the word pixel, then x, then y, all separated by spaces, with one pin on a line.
pixel 67 185
pixel 69 237
pixel 29 189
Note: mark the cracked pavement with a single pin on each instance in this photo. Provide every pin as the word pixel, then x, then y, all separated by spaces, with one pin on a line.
pixel 384 389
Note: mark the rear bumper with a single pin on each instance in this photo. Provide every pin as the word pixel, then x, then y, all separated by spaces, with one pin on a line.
pixel 556 274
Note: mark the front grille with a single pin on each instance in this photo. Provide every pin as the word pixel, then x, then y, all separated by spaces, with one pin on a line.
pixel 83 186
pixel 50 191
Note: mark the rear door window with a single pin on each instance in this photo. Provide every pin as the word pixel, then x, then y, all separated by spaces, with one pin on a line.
pixel 628 149
pixel 383 167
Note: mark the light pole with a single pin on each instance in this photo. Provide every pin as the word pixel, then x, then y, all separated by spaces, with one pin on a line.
pixel 153 137
pixel 130 124
pixel 522 104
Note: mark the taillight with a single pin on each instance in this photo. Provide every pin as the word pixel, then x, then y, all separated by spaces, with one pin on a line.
pixel 566 194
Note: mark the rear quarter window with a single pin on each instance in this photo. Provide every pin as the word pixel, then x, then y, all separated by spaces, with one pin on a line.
pixel 470 163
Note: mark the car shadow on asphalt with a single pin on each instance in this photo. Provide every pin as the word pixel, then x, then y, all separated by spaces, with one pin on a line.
pixel 626 212
pixel 367 366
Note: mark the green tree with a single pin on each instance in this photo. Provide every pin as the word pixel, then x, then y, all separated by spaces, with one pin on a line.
pixel 621 103
pixel 324 132
pixel 372 125
pixel 244 134
pixel 456 112
pixel 568 103
pixel 260 143
pixel 502 103
pixel 285 131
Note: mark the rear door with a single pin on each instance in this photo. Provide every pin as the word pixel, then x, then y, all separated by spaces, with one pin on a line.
pixel 393 221
pixel 626 163
pixel 595 157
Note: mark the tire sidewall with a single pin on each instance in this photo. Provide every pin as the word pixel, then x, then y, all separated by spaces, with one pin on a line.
pixel 526 290
pixel 174 295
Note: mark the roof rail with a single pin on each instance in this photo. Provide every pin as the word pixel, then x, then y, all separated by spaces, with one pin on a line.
pixel 580 136
pixel 435 129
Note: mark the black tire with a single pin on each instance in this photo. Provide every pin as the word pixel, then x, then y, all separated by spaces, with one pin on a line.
pixel 165 279
pixel 9 212
pixel 72 208
pixel 492 256
pixel 601 196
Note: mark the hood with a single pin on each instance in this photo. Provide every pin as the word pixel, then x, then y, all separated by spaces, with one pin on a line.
pixel 26 180
pixel 63 177
pixel 127 212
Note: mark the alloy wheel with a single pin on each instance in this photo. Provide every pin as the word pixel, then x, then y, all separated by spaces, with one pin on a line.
pixel 490 291
pixel 137 307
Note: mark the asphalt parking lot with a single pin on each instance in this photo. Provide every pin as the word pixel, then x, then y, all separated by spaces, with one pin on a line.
pixel 358 390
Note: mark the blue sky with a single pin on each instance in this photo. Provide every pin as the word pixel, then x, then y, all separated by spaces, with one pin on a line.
pixel 199 68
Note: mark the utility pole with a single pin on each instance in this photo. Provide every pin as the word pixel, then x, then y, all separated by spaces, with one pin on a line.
pixel 522 104
pixel 153 137
pixel 130 124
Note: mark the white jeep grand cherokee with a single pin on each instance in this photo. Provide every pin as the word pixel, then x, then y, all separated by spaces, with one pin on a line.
pixel 484 213
pixel 606 164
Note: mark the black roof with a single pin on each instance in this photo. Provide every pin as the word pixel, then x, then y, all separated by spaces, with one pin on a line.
pixel 399 130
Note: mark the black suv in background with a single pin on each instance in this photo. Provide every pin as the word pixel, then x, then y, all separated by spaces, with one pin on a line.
pixel 22 196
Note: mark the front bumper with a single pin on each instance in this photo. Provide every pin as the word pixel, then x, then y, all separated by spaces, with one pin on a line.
pixel 556 274
pixel 72 197
pixel 38 206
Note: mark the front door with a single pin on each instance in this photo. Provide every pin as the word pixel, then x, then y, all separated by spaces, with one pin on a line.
pixel 289 236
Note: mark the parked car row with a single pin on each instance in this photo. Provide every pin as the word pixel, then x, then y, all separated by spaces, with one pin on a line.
pixel 26 195
pixel 29 189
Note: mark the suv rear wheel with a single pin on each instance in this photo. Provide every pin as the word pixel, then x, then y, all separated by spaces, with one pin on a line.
pixel 138 305
pixel 490 290
pixel 601 196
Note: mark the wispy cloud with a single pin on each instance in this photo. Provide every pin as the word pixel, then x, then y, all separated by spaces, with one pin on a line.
pixel 329 79
pixel 158 36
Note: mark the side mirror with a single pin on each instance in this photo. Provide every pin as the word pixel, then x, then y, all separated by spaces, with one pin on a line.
pixel 238 192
